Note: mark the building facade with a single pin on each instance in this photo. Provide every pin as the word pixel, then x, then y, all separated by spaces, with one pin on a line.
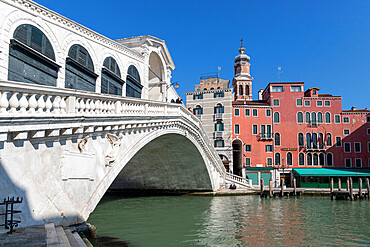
pixel 289 128
pixel 211 103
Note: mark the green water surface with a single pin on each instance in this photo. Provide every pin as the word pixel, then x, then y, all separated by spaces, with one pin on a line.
pixel 232 221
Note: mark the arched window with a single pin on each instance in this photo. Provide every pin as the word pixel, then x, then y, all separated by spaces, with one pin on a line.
pixel 308 117
pixel 211 88
pixel 322 159
pixel 299 117
pixel 289 159
pixel 198 110
pixel 80 69
pixel 240 89
pixel 313 117
pixel 319 117
pixel 315 159
pixel 329 159
pixel 327 117
pixel 301 159
pixel 314 140
pixel 328 140
pixel 31 57
pixel 309 159
pixel 276 117
pixel 300 140
pixel 204 89
pixel 246 90
pixel 308 140
pixel 277 159
pixel 218 109
pixel 111 82
pixel 321 140
pixel 277 139
pixel 133 83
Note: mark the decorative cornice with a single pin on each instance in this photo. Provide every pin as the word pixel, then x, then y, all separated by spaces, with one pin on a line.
pixel 209 91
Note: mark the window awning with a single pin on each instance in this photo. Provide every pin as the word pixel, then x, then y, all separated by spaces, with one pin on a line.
pixel 326 172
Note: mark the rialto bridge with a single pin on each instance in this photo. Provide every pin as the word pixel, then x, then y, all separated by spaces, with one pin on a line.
pixel 81 114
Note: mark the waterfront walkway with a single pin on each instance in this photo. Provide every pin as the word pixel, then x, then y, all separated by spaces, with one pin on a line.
pixel 42 235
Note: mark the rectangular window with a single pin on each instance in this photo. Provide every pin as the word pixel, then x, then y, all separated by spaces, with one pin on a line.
pixel 368 131
pixel 299 102
pixel 368 119
pixel 269 161
pixel 295 89
pixel 345 119
pixel 357 147
pixel 336 118
pixel 319 103
pixel 198 96
pixel 236 129
pixel 277 89
pixel 219 143
pixel 236 112
pixel 218 95
pixel 254 130
pixel 327 103
pixel 268 113
pixel 254 112
pixel 219 127
pixel 338 141
pixel 268 148
pixel 347 147
pixel 247 161
pixel 346 132
pixel 248 148
pixel 348 162
pixel 307 103
pixel 358 163
pixel 368 147
pixel 275 102
pixel 247 112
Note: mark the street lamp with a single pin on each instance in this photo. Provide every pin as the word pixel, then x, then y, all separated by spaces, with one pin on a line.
pixel 174 84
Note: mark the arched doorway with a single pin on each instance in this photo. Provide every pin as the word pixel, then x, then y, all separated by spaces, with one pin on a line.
pixel 225 161
pixel 237 157
pixel 156 83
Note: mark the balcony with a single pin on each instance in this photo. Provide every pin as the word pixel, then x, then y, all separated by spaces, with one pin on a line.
pixel 317 148
pixel 217 135
pixel 313 124
pixel 217 116
pixel 266 136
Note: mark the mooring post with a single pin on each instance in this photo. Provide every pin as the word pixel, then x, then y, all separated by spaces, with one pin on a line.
pixel 360 188
pixel 295 186
pixel 270 187
pixel 351 189
pixel 282 186
pixel 339 184
pixel 347 183
pixel 368 188
pixel 332 188
pixel 261 187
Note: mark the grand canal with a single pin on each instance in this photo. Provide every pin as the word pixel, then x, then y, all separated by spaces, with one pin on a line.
pixel 232 221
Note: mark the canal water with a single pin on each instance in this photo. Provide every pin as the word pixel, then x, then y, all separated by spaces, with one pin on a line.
pixel 231 221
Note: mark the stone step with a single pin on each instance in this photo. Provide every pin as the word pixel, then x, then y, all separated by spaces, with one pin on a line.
pixel 79 240
pixel 74 239
pixel 63 240
pixel 51 235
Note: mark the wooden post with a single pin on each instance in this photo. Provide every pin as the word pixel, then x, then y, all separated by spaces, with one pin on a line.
pixel 368 188
pixel 360 188
pixel 351 189
pixel 339 184
pixel 331 188
pixel 261 187
pixel 295 186
pixel 282 187
pixel 270 188
pixel 347 183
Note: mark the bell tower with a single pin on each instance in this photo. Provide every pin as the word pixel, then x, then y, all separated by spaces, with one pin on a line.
pixel 242 81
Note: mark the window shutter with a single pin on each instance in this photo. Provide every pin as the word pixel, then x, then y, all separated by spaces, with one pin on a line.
pixel 222 127
pixel 201 110
pixel 222 109
pixel 215 110
pixel 21 33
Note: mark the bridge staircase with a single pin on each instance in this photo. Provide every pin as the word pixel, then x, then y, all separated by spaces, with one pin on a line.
pixel 239 181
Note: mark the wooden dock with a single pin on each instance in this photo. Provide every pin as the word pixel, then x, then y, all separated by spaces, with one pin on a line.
pixel 272 192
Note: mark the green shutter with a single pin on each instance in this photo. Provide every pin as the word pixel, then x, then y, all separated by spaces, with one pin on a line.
pixel 201 111
pixel 193 96
pixel 222 109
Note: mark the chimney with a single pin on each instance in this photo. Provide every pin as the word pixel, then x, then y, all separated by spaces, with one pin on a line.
pixel 353 108
pixel 260 94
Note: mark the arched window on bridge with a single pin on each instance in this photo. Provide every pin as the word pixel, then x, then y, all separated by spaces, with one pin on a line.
pixel 31 57
pixel 80 69
pixel 111 82
pixel 133 83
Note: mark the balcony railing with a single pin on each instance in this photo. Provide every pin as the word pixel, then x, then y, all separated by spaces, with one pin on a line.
pixel 313 124
pixel 218 135
pixel 313 149
pixel 266 136
pixel 217 116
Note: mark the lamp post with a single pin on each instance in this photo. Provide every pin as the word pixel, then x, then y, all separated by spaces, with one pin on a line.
pixel 174 84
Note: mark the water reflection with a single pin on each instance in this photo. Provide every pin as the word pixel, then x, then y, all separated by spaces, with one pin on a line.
pixel 233 221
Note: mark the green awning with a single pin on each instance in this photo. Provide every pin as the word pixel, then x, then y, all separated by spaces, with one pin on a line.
pixel 259 168
pixel 326 172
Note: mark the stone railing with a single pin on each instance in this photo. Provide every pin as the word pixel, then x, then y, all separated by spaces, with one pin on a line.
pixel 17 99
pixel 235 178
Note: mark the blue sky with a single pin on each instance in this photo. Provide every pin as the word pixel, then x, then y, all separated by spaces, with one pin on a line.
pixel 323 43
